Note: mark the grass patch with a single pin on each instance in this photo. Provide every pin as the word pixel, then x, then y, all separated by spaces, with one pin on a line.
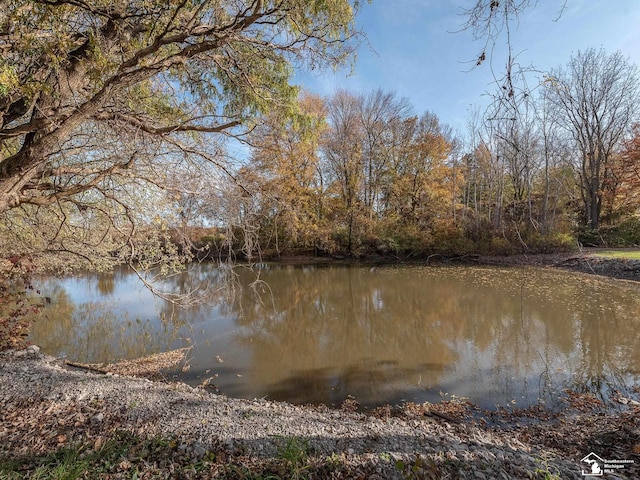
pixel 619 254
pixel 129 457
pixel 123 455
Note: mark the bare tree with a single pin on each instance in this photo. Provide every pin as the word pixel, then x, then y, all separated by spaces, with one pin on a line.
pixel 343 152
pixel 378 111
pixel 518 143
pixel 595 99
pixel 491 22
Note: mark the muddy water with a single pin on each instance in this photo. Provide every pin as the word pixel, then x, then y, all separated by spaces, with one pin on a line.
pixel 498 336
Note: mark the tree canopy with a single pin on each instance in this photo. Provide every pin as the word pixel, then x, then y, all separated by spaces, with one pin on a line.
pixel 106 104
pixel 140 71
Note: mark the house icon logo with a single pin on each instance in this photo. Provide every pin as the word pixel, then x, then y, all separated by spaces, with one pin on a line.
pixel 594 465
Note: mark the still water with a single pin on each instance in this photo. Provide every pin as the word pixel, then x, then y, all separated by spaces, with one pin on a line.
pixel 386 334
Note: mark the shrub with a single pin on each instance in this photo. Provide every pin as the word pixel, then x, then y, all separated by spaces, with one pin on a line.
pixel 623 234
pixel 451 240
pixel 553 242
pixel 501 246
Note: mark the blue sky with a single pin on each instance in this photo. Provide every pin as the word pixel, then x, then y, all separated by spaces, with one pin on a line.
pixel 415 52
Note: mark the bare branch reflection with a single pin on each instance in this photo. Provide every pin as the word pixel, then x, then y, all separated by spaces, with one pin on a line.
pixel 319 333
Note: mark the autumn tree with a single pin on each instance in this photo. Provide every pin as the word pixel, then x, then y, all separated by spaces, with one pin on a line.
pixel 342 150
pixel 625 177
pixel 93 93
pixel 285 158
pixel 418 189
pixel 391 169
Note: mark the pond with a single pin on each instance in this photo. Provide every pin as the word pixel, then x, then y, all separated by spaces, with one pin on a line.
pixel 384 334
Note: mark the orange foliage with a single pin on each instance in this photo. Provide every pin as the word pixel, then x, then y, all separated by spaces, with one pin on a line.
pixel 626 174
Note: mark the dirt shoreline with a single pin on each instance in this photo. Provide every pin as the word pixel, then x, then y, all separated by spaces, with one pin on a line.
pixel 586 262
pixel 46 405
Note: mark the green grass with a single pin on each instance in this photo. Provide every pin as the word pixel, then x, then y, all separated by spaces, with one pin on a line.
pixel 547 471
pixel 130 457
pixel 295 454
pixel 619 254
pixel 123 454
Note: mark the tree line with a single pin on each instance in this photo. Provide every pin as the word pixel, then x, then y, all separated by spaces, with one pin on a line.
pixel 359 173
pixel 117 120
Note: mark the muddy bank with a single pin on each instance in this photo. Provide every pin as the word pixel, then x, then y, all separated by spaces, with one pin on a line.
pixel 46 405
pixel 621 269
pixel 586 262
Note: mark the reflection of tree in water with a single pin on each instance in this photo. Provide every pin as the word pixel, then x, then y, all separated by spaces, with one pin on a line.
pixel 53 323
pixel 338 319
pixel 372 383
pixel 325 332
pixel 102 330
pixel 596 331
pixel 105 282
pixel 606 342
pixel 95 332
pixel 207 283
pixel 550 320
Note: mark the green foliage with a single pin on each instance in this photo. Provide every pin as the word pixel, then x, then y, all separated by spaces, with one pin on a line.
pixel 128 456
pixel 419 468
pixel 589 238
pixel 500 246
pixel 8 79
pixel 451 240
pixel 623 234
pixel 551 243
pixel 123 455
pixel 103 104
pixel 71 462
pixel 250 71
pixel 547 471
pixel 295 454
pixel 54 245
pixel 623 255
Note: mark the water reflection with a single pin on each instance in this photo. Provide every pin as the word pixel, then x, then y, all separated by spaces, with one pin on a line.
pixel 318 334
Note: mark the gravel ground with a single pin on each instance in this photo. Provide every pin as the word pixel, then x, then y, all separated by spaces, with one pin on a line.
pixel 44 404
